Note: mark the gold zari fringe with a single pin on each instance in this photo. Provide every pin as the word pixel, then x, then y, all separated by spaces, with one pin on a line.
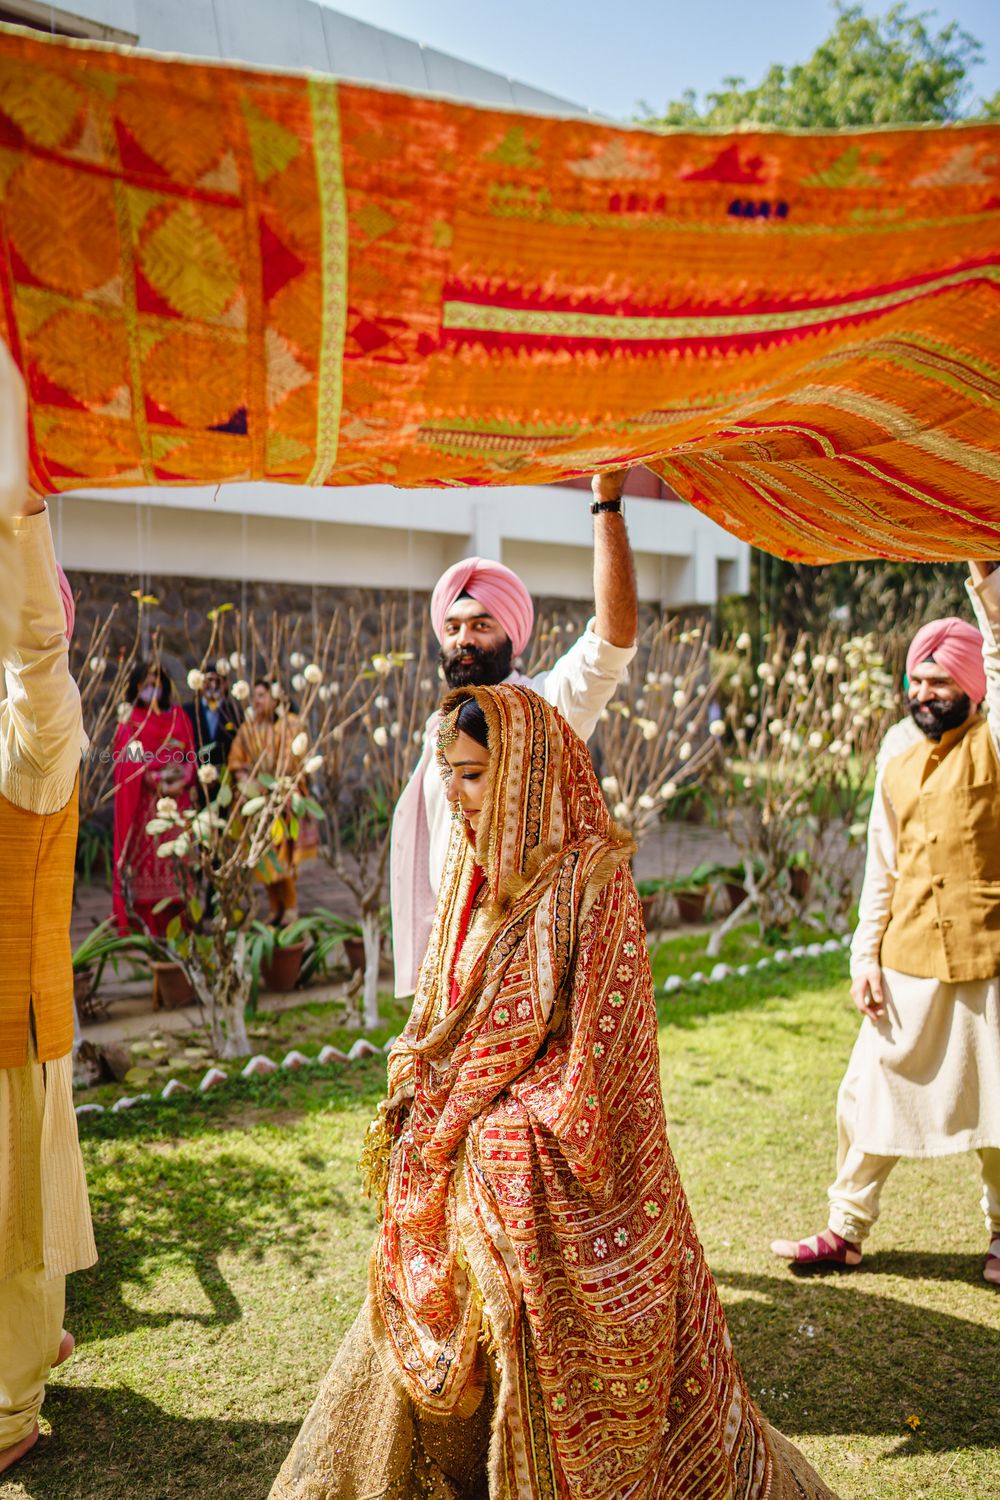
pixel 373 1163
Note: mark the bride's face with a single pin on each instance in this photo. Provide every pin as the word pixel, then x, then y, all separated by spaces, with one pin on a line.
pixel 465 786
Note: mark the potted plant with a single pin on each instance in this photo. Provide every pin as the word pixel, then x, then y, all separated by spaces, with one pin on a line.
pixel 691 892
pixel 354 951
pixel 650 892
pixel 733 879
pixel 329 934
pixel 172 989
pixel 800 874
pixel 102 945
pixel 275 955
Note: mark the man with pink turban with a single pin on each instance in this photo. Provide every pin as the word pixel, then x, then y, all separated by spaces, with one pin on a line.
pixel 924 1076
pixel 45 1227
pixel 483 616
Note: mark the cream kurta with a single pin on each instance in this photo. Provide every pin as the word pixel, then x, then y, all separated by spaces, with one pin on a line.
pixel 925 1081
pixel 44 1212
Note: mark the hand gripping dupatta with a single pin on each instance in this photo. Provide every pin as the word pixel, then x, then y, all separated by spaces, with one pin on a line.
pixel 536 1257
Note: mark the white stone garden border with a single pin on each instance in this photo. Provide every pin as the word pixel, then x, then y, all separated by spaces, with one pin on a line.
pixel 782 957
pixel 257 1067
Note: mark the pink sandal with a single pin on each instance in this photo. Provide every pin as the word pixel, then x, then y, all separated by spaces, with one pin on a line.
pixel 824 1249
pixel 991 1265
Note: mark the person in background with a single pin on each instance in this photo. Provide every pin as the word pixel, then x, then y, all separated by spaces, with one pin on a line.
pixel 214 717
pixel 154 757
pixel 263 743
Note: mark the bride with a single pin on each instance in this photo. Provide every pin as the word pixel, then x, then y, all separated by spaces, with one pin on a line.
pixel 540 1323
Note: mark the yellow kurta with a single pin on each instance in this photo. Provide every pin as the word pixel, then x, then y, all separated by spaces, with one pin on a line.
pixel 44 1212
pixel 925 1081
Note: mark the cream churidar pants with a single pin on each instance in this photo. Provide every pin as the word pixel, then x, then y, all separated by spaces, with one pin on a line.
pixel 45 1231
pixel 923 1082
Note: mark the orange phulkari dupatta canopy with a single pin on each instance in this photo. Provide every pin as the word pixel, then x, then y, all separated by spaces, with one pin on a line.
pixel 210 273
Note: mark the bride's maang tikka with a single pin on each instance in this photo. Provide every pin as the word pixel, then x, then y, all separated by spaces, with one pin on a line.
pixel 448 733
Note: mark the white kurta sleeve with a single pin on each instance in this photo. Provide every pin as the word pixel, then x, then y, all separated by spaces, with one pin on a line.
pixel 582 683
pixel 985 599
pixel 41 725
pixel 880 860
pixel 13 487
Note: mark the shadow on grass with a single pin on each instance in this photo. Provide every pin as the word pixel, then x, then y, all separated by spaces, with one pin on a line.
pixel 110 1442
pixel 167 1197
pixel 280 1097
pixel 838 1355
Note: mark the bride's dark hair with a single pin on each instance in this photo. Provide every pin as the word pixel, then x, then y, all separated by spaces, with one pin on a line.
pixel 472 721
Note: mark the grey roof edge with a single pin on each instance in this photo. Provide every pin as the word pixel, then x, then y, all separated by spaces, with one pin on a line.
pixel 91 45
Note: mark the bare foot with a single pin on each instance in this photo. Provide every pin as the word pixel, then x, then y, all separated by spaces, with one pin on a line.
pixel 66 1346
pixel 9 1456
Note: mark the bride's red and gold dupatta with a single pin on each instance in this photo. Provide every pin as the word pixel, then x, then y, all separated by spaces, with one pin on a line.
pixel 541 1322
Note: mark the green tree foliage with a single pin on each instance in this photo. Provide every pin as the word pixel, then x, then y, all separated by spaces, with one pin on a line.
pixel 870 70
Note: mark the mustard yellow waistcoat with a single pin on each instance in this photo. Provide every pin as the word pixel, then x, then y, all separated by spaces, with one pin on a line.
pixel 37 857
pixel 944 922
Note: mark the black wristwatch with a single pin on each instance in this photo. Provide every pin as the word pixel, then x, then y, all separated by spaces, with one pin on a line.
pixel 614 506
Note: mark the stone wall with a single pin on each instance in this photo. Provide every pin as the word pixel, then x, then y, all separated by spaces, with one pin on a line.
pixel 180 616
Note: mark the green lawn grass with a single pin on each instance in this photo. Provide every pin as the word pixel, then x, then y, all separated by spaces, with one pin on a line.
pixel 233 1246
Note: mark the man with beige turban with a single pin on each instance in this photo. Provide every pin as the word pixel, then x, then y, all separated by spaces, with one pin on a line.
pixel 924 1076
pixel 45 1228
pixel 483 615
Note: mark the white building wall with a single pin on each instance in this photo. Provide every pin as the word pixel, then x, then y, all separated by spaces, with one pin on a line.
pixel 386 538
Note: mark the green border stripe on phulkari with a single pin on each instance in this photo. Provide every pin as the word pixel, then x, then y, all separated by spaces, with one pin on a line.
pixel 323 97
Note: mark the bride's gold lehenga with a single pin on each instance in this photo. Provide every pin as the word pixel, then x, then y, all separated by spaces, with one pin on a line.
pixel 541 1323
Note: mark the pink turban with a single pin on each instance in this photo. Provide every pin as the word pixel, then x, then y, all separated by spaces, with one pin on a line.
pixel 496 588
pixel 957 648
pixel 69 603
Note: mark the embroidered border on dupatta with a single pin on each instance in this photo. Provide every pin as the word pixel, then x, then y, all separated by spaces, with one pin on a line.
pixel 324 98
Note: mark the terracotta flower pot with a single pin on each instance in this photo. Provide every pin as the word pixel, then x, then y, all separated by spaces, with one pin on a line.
pixel 735 893
pixel 171 987
pixel 282 970
pixel 354 949
pixel 800 880
pixel 648 904
pixel 691 905
pixel 82 998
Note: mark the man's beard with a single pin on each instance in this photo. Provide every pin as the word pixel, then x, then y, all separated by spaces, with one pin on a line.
pixel 488 665
pixel 934 718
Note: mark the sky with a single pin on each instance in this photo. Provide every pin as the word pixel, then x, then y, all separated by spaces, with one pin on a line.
pixel 609 56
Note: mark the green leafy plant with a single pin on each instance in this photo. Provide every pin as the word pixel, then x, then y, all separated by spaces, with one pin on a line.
pixel 104 945
pixel 94 846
